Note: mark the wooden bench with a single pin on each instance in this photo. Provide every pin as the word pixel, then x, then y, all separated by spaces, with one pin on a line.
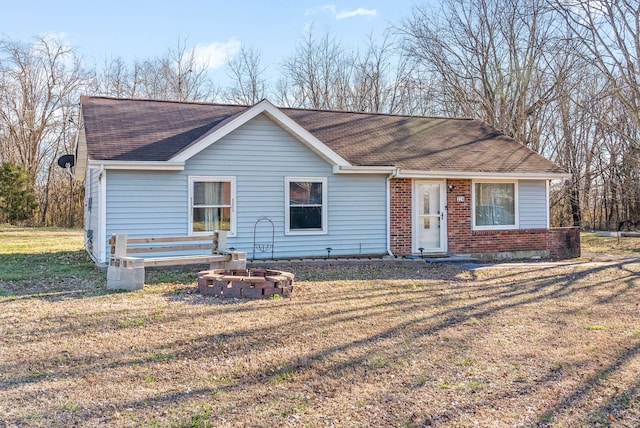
pixel 130 256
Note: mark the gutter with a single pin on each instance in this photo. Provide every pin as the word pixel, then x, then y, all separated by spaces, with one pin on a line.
pixel 138 165
pixel 440 175
pixel 407 173
pixel 339 169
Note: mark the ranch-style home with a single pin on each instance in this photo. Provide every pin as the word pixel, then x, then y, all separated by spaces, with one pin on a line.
pixel 296 183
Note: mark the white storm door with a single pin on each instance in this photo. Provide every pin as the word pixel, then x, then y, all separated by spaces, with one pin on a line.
pixel 430 233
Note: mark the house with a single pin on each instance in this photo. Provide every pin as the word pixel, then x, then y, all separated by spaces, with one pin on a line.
pixel 297 183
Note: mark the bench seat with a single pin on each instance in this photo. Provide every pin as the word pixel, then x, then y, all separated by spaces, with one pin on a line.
pixel 185 260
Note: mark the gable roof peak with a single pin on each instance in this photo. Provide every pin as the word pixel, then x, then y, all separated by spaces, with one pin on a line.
pixel 233 122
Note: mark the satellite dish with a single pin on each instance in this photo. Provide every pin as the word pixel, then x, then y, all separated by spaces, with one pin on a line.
pixel 66 161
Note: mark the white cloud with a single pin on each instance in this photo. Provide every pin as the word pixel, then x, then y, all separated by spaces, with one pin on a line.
pixel 216 54
pixel 330 9
pixel 361 11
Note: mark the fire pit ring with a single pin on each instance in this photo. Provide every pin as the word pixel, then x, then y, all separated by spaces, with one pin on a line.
pixel 245 283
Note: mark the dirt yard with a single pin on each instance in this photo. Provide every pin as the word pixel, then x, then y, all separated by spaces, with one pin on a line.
pixel 531 345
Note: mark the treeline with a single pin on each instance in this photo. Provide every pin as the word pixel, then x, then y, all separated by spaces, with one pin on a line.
pixel 561 77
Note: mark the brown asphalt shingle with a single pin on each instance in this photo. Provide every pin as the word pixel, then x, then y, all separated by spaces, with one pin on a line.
pixel 141 130
pixel 145 130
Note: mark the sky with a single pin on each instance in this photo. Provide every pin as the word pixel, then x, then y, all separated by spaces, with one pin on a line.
pixel 142 29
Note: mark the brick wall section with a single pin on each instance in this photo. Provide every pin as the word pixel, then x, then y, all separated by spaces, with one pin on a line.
pixel 560 243
pixel 401 215
pixel 564 242
pixel 459 217
pixel 463 240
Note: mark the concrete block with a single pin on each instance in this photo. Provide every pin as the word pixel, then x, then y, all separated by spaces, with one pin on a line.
pixel 123 278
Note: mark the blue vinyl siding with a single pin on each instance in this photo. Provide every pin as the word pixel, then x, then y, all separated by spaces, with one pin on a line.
pixel 259 154
pixel 146 203
pixel 532 204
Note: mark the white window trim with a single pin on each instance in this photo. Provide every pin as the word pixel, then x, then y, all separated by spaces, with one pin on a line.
pixel 516 203
pixel 213 178
pixel 325 206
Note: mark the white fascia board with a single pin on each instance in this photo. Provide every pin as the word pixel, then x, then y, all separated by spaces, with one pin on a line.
pixel 138 165
pixel 405 173
pixel 364 169
pixel 276 115
pixel 80 166
pixel 485 175
pixel 209 139
pixel 304 136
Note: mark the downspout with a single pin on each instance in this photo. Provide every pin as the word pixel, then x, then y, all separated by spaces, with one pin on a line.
pixel 391 176
pixel 97 258
pixel 102 216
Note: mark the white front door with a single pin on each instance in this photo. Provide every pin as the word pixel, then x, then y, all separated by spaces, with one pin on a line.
pixel 429 212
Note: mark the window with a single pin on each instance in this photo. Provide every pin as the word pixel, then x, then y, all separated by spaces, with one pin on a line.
pixel 306 205
pixel 494 205
pixel 212 200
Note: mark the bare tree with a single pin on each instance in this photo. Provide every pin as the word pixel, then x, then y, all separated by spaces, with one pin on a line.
pixel 248 76
pixel 608 36
pixel 40 84
pixel 178 75
pixel 490 56
pixel 609 31
pixel 317 75
pixel 370 89
pixel 413 92
pixel 115 79
pixel 186 77
pixel 573 136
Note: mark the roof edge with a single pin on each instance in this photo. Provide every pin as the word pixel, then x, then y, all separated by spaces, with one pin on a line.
pixel 364 169
pixel 138 165
pixel 406 173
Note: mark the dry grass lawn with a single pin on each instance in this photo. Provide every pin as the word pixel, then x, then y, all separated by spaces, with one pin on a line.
pixel 430 346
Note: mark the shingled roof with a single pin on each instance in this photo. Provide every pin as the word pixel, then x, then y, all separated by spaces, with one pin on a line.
pixel 146 130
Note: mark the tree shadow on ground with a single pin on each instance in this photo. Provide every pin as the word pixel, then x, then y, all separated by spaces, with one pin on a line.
pixel 49 276
pixel 434 305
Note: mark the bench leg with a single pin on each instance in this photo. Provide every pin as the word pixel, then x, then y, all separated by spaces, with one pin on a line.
pixel 229 265
pixel 125 278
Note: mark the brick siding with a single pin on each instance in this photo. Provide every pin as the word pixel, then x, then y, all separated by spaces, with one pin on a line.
pixel 564 242
pixel 401 214
pixel 559 243
pixel 464 240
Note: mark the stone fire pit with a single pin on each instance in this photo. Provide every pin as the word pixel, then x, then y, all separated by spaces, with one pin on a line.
pixel 245 283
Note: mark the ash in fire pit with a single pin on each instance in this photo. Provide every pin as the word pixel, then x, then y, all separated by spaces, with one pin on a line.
pixel 245 283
